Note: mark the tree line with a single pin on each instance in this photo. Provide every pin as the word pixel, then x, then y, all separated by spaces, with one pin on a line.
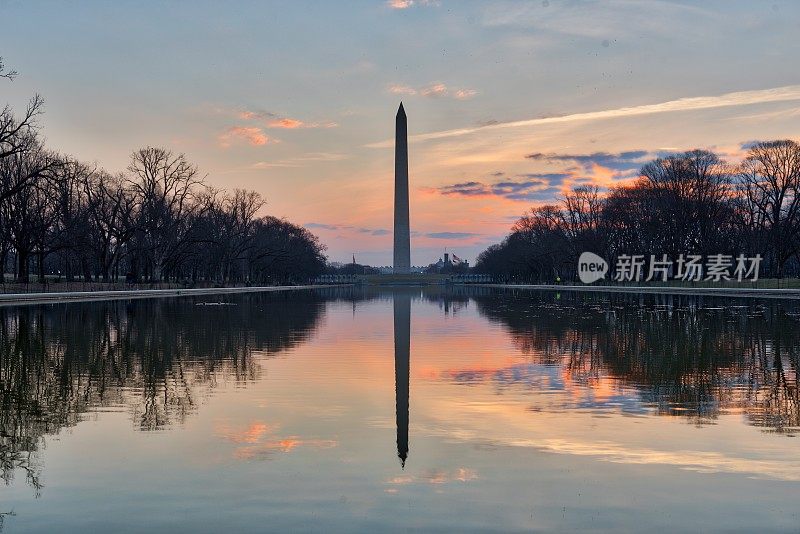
pixel 156 221
pixel 685 203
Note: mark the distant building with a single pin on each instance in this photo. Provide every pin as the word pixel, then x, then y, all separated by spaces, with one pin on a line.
pixel 448 263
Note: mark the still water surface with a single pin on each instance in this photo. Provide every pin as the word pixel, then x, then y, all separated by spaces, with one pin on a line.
pixel 365 410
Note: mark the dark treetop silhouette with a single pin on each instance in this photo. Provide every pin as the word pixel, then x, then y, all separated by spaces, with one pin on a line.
pixel 685 203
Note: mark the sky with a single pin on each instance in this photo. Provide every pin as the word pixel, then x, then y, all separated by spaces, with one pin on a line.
pixel 510 104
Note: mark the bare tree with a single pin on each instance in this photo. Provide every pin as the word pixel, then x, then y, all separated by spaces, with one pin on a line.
pixel 689 192
pixel 8 74
pixel 238 222
pixel 111 212
pixel 582 218
pixel 166 186
pixel 24 177
pixel 770 180
pixel 19 134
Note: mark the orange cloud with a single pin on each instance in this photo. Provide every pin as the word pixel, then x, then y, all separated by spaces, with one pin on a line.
pixel 267 449
pixel 252 434
pixel 252 135
pixel 287 123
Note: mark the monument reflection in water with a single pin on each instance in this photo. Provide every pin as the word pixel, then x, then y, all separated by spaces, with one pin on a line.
pixel 402 364
pixel 540 411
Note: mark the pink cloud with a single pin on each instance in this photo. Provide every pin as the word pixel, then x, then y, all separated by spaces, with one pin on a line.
pixel 268 448
pixel 435 90
pixel 252 135
pixel 273 120
pixel 464 94
pixel 398 89
pixel 405 4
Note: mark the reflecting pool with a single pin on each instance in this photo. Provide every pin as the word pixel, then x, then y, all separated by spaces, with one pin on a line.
pixel 468 409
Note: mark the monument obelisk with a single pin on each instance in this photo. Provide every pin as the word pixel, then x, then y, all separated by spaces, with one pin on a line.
pixel 402 233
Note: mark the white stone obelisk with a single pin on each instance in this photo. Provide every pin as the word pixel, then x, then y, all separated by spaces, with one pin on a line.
pixel 402 232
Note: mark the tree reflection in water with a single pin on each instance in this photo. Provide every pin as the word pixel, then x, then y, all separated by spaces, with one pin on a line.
pixel 158 358
pixel 685 356
pixel 679 356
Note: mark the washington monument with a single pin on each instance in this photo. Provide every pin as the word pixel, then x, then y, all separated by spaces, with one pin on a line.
pixel 402 233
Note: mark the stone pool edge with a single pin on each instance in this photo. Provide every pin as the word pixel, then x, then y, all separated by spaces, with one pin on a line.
pixel 661 290
pixel 7 299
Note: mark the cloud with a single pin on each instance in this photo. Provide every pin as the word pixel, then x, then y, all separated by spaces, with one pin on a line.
pixel 258 441
pixel 464 94
pixel 300 161
pixel 597 20
pixel 466 189
pixel 286 123
pixel 266 450
pixel 250 115
pixel 322 226
pixel 382 231
pixel 398 89
pixel 432 90
pixel 435 90
pixel 340 227
pixel 252 135
pixel 292 124
pixel 781 114
pixel 525 187
pixel 252 434
pixel 623 161
pixel 405 4
pixel 740 98
pixel 747 145
pixel 435 476
pixel 601 169
pixel 451 235
pixel 690 460
pixel 273 120
pixel 270 164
